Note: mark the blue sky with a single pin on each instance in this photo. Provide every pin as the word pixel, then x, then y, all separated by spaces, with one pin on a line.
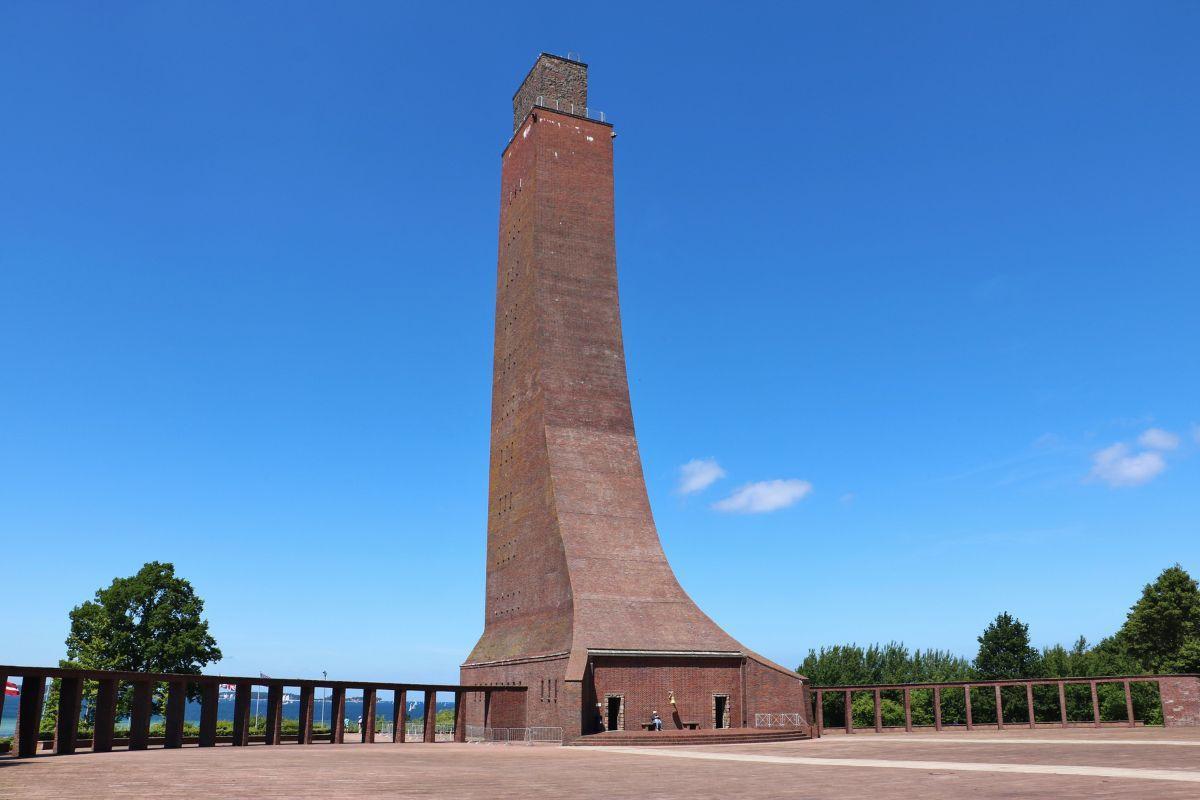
pixel 924 267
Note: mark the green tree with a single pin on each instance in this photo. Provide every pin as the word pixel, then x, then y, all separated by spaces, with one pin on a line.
pixel 1004 650
pixel 851 664
pixel 1162 631
pixel 148 622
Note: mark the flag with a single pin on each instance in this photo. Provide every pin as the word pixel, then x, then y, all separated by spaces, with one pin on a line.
pixel 11 689
pixel 227 687
pixel 262 675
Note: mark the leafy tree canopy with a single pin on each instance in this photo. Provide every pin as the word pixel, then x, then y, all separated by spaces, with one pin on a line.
pixel 889 663
pixel 1161 635
pixel 1004 650
pixel 149 622
pixel 1162 631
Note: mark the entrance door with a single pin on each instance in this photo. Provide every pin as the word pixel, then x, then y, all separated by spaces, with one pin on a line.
pixel 612 719
pixel 720 711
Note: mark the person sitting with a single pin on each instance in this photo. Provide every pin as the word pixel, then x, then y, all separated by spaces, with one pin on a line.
pixel 656 721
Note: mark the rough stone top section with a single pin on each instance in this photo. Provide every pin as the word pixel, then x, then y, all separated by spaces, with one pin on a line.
pixel 552 78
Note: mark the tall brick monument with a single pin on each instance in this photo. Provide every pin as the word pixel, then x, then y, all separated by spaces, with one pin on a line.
pixel 582 607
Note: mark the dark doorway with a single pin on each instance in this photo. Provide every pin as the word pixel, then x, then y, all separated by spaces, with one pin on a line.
pixel 612 719
pixel 720 710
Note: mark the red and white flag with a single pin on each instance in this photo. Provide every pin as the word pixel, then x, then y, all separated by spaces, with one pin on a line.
pixel 11 689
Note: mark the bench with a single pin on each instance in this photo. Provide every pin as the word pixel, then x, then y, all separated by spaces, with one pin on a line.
pixel 691 726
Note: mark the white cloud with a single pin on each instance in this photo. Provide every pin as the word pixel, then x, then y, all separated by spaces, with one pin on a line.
pixel 764 496
pixel 1158 439
pixel 1047 441
pixel 847 498
pixel 699 474
pixel 1117 467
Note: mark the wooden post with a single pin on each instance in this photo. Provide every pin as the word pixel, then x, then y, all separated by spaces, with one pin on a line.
pixel 1095 706
pixel 139 715
pixel 337 715
pixel 368 717
pixel 241 713
pixel 967 693
pixel 106 716
pixel 907 710
pixel 70 694
pixel 1062 703
pixel 1029 703
pixel 849 714
pixel 176 706
pixel 999 708
pixel 460 716
pixel 878 714
pixel 937 708
pixel 4 694
pixel 1129 705
pixel 430 715
pixel 210 697
pixel 274 722
pixel 29 714
pixel 820 712
pixel 399 715
pixel 305 715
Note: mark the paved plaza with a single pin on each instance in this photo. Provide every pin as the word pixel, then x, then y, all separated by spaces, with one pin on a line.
pixel 1064 764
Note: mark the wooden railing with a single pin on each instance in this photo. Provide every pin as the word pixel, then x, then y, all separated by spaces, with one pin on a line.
pixel 1181 708
pixel 144 684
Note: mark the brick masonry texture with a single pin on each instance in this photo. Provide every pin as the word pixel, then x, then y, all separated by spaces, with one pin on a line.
pixel 574 562
pixel 553 78
pixel 645 682
pixel 473 772
pixel 1180 701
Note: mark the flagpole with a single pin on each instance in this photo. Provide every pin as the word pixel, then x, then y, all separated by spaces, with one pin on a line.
pixel 264 675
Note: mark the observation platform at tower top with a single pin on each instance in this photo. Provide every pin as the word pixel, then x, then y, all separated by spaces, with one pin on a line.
pixel 555 83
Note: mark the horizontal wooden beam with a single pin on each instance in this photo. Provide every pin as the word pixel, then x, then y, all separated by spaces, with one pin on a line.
pixel 173 677
pixel 885 687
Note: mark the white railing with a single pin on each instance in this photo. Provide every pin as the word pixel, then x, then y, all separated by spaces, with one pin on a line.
pixel 778 721
pixel 414 730
pixel 504 735
pixel 543 736
pixel 478 733
pixel 567 107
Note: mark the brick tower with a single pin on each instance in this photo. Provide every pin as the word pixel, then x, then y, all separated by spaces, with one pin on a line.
pixel 582 607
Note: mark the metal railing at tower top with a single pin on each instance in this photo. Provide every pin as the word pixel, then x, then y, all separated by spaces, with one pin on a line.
pixel 568 107
pixel 147 692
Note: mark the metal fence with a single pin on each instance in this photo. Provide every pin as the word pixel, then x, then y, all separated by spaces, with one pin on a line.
pixel 778 721
pixel 530 736
pixel 415 730
pixel 543 736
